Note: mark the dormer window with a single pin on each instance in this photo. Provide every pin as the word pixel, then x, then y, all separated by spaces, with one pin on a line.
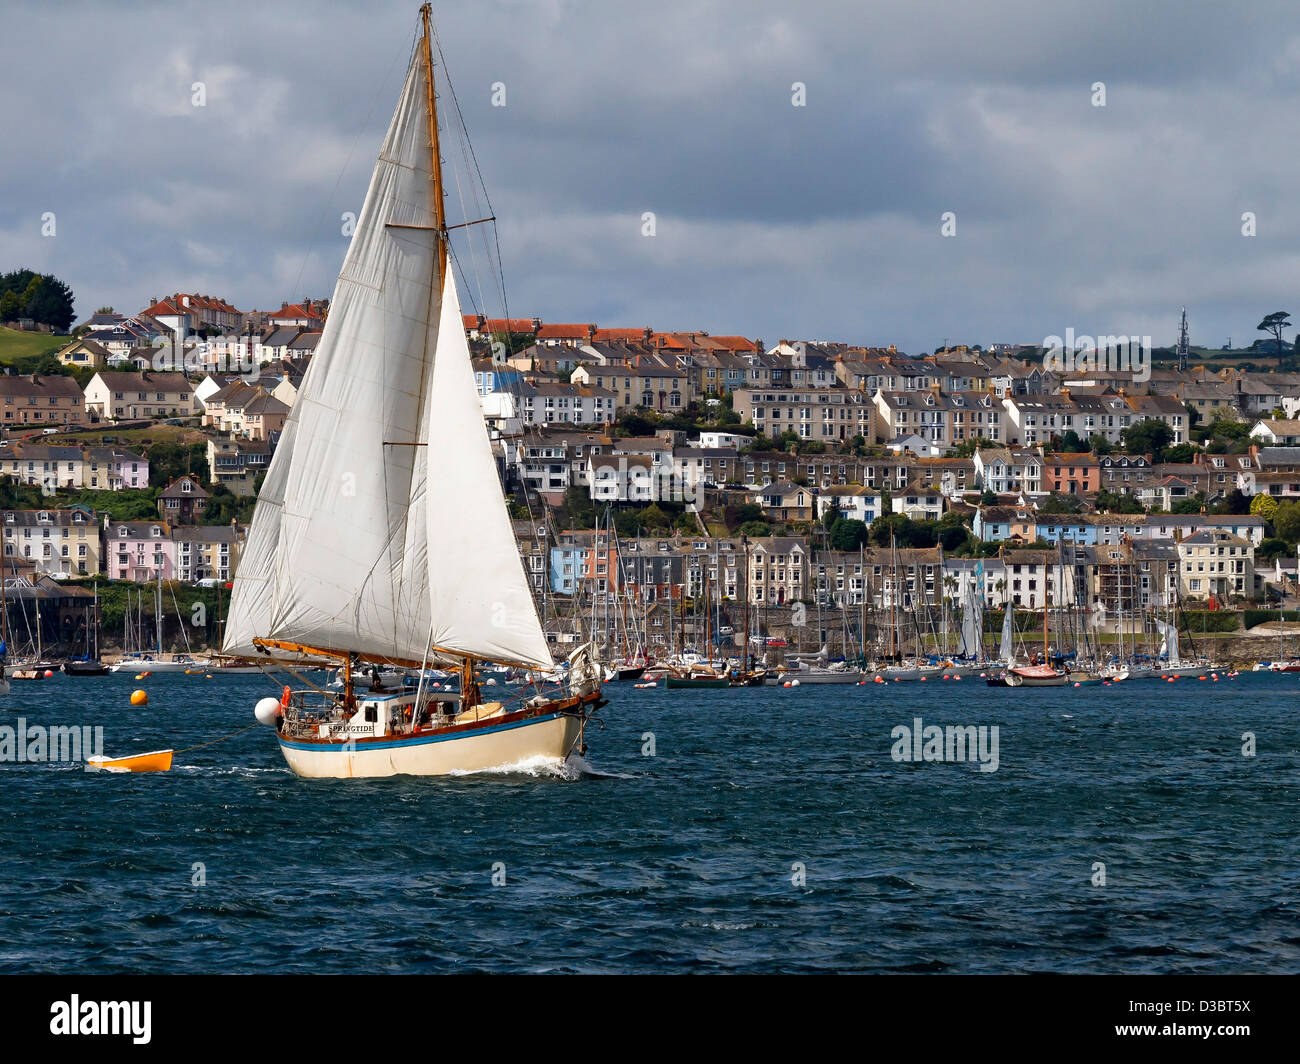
pixel 121 531
pixel 155 531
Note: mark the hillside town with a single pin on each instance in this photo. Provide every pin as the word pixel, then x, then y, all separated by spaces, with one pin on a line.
pixel 639 464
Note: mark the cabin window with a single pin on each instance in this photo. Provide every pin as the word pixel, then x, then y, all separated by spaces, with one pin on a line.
pixel 372 714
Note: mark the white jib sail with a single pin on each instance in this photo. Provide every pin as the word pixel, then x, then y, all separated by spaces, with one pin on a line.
pixel 481 603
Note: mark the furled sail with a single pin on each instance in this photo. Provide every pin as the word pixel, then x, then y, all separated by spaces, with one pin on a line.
pixel 970 623
pixel 1009 634
pixel 336 553
pixel 1169 641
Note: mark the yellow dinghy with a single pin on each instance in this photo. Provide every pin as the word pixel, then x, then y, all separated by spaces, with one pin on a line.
pixel 154 761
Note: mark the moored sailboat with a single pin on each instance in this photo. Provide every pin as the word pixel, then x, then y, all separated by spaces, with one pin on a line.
pixel 353 556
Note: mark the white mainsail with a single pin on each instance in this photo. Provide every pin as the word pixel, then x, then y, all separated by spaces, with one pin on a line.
pixel 339 555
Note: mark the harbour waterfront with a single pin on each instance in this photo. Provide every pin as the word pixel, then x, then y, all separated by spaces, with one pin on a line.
pixel 771 830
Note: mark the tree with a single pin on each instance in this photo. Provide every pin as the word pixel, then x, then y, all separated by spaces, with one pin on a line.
pixel 742 514
pixel 1099 444
pixel 969 446
pixel 39 296
pixel 1287 521
pixel 637 424
pixel 1193 504
pixel 1149 436
pixel 1058 503
pixel 1072 442
pixel 1116 503
pixel 989 497
pixel 755 528
pixel 1265 506
pixel 1274 324
pixel 1182 452
pixel 1271 549
pixel 848 534
pixel 1234 503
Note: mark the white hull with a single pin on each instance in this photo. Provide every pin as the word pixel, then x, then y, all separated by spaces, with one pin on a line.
pixel 1184 672
pixel 157 665
pixel 891 673
pixel 835 676
pixel 551 736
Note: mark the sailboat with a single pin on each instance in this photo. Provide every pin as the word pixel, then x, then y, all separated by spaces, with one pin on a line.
pixel 89 665
pixel 381 534
pixel 153 661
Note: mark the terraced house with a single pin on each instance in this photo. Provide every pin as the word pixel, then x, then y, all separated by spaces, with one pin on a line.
pixel 113 395
pixel 41 401
pixel 138 550
pixel 1215 564
pixel 54 467
pixel 207 552
pixel 827 415
pixel 54 541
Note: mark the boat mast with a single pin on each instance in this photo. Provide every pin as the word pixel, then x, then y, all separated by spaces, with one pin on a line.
pixel 744 598
pixel 439 208
pixel 4 610
pixel 469 690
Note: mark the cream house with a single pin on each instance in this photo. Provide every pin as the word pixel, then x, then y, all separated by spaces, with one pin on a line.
pixel 114 395
pixel 54 541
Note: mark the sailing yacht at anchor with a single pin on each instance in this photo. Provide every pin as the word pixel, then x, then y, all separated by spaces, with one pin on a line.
pixel 354 554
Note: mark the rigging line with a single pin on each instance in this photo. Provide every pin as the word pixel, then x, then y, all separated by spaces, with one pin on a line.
pixel 473 157
pixel 330 201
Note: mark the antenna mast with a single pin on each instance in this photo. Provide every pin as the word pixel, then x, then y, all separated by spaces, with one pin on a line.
pixel 1183 346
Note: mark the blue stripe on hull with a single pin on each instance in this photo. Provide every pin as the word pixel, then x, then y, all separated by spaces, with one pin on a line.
pixel 420 740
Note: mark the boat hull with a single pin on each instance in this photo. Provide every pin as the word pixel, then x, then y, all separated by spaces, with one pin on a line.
pixel 682 682
pixel 149 665
pixel 85 668
pixel 154 761
pixel 553 736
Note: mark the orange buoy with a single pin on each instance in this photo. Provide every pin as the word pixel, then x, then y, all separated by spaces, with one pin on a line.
pixel 139 698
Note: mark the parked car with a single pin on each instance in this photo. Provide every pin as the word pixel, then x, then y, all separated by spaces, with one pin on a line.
pixel 50 431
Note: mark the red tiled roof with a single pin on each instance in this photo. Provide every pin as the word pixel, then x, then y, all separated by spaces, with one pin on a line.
pixel 516 325
pixel 619 334
pixel 564 332
pixel 735 343
pixel 293 310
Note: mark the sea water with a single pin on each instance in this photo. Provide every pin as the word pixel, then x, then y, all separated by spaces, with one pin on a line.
pixel 1140 827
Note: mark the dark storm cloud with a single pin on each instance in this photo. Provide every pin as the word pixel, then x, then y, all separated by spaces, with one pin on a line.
pixel 772 220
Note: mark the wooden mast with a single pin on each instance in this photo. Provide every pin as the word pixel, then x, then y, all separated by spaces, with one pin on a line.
pixel 439 208
pixel 469 689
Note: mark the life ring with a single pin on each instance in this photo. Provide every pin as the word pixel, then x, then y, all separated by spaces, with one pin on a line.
pixel 285 697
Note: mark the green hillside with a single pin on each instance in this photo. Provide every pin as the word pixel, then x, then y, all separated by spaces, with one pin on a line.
pixel 16 345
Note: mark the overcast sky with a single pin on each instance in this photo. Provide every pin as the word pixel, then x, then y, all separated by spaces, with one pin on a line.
pixel 813 222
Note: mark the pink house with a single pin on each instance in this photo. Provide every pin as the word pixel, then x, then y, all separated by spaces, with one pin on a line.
pixel 116 469
pixel 139 550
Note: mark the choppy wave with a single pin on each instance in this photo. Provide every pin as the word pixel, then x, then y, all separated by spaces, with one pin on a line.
pixel 759 837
